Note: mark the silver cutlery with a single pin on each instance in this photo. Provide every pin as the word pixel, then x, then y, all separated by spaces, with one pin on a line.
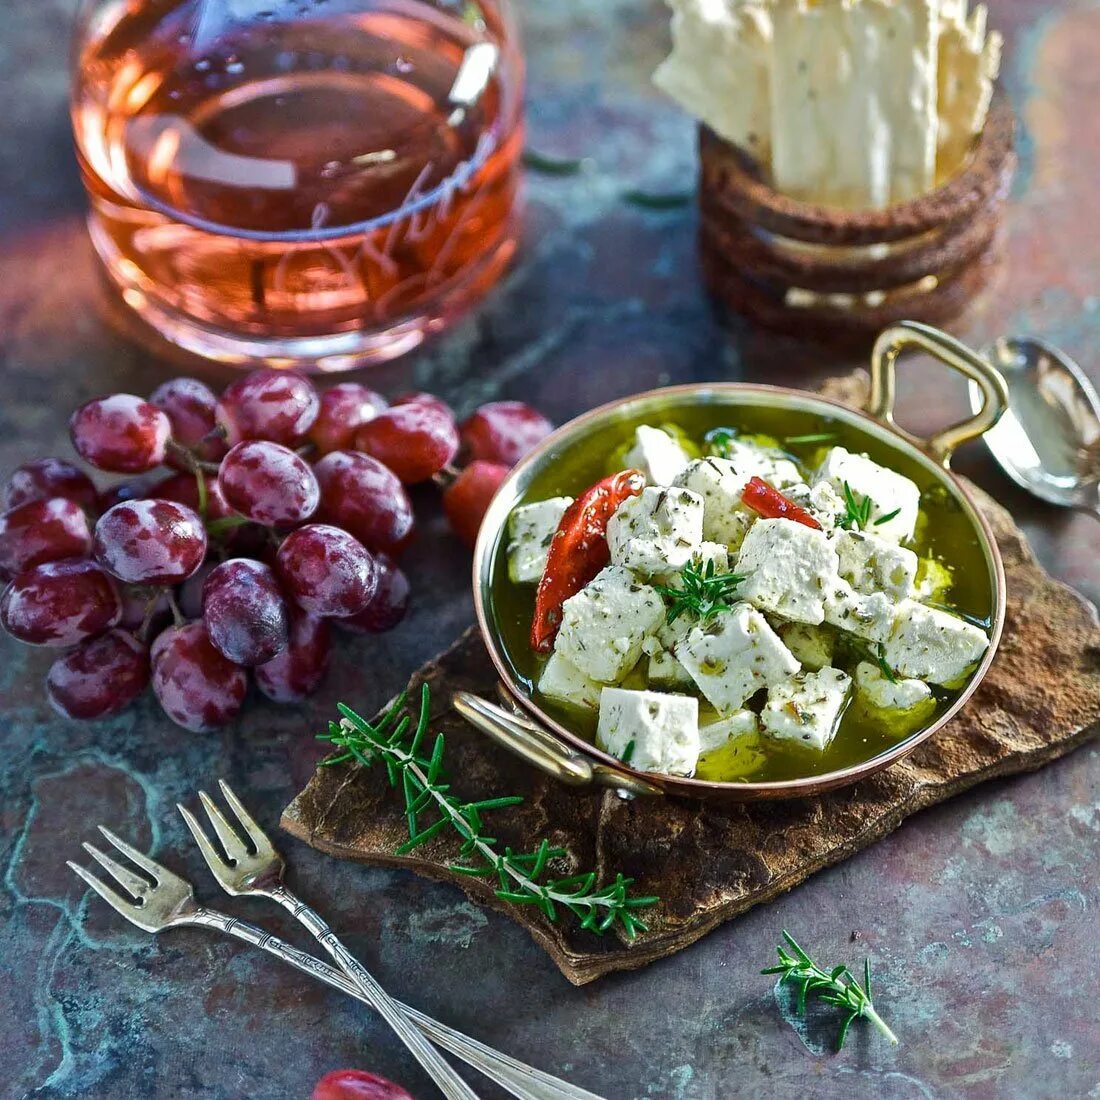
pixel 164 900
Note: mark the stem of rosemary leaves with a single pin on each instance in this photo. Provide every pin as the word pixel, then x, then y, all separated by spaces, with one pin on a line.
pixel 702 592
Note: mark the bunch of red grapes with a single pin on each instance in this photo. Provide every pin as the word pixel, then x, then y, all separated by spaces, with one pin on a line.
pixel 282 510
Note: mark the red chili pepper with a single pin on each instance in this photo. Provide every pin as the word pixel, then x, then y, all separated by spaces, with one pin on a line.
pixel 578 551
pixel 772 504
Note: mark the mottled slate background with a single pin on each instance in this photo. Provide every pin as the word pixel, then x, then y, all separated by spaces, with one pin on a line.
pixel 980 916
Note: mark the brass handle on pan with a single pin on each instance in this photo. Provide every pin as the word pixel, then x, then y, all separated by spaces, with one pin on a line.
pixel 911 334
pixel 539 747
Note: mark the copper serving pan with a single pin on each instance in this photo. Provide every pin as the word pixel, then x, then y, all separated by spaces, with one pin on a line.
pixel 518 722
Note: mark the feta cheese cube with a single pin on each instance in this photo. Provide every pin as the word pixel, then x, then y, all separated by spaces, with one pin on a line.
pixel 933 645
pixel 714 735
pixel 789 569
pixel 897 694
pixel 869 616
pixel 650 730
pixel 822 501
pixel 657 531
pixel 604 625
pixel 562 681
pixel 734 656
pixel 888 491
pixel 807 708
pixel 717 481
pixel 657 455
pixel 871 564
pixel 934 579
pixel 813 646
pixel 770 463
pixel 707 555
pixel 531 529
pixel 664 670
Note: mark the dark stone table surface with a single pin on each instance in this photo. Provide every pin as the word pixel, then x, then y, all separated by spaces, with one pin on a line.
pixel 980 916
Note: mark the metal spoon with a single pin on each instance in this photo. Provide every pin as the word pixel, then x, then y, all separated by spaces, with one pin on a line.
pixel 1048 441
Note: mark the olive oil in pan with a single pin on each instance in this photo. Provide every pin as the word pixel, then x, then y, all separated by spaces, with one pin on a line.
pixel 945 532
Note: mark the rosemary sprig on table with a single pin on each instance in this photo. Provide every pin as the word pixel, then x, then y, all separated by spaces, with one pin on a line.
pixel 858 512
pixel 523 878
pixel 702 592
pixel 836 987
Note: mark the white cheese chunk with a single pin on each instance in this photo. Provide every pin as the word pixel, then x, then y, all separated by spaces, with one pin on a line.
pixel 822 501
pixel 897 694
pixel 807 708
pixel 563 681
pixel 650 730
pixel 734 656
pixel 706 556
pixel 789 569
pixel 657 531
pixel 755 460
pixel 871 564
pixel 714 735
pixel 657 455
pixel 933 645
pixel 604 625
pixel 888 491
pixel 717 481
pixel 664 670
pixel 813 646
pixel 531 529
pixel 866 615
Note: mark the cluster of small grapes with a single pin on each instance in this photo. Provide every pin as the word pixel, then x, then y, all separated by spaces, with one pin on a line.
pixel 282 510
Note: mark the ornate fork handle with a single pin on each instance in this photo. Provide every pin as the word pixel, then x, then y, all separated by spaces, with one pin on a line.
pixel 521 1080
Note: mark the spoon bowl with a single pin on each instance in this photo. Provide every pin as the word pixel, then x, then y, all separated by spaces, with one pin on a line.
pixel 1048 441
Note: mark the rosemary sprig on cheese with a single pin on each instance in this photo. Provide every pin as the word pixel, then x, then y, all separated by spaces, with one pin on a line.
pixel 702 592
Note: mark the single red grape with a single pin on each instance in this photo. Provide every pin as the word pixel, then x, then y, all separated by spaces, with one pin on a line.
pixel 120 433
pixel 356 1084
pixel 503 431
pixel 183 488
pixel 40 531
pixel 60 603
pixel 414 440
pixel 100 678
pixel 298 671
pixel 269 483
pixel 196 686
pixel 366 498
pixel 150 542
pixel 190 405
pixel 326 571
pixel 138 489
pixel 49 477
pixel 389 605
pixel 244 612
pixel 268 404
pixel 419 398
pixel 344 409
pixel 466 499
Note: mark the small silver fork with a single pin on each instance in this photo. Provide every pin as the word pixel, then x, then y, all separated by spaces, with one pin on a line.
pixel 168 901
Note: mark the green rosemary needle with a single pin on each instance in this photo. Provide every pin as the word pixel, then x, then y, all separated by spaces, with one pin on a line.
pixel 858 512
pixel 522 878
pixel 836 987
pixel 702 592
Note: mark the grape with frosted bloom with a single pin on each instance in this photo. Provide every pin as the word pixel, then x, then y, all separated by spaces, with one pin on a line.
pixel 45 478
pixel 415 440
pixel 467 498
pixel 269 483
pixel 503 431
pixel 390 603
pixel 244 612
pixel 298 671
pixel 190 406
pixel 100 678
pixel 344 409
pixel 357 1084
pixel 326 571
pixel 366 498
pixel 419 398
pixel 41 531
pixel 196 686
pixel 150 541
pixel 184 489
pixel 60 603
pixel 268 404
pixel 121 433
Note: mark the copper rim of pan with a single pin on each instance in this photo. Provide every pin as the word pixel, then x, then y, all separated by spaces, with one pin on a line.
pixel 775 397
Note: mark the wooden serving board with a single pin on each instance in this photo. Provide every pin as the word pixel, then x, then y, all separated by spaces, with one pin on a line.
pixel 707 863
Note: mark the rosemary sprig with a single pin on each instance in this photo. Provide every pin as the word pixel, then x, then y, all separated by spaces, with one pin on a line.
pixel 858 512
pixel 702 591
pixel 812 437
pixel 876 656
pixel 836 987
pixel 550 165
pixel 658 200
pixel 718 441
pixel 523 878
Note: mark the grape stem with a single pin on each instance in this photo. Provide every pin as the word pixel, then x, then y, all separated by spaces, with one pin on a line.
pixel 446 477
pixel 177 614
